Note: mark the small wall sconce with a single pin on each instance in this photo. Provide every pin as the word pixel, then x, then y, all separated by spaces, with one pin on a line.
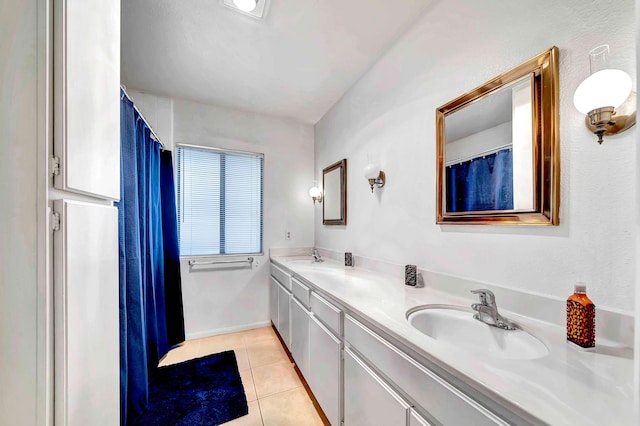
pixel 315 194
pixel 375 176
pixel 605 97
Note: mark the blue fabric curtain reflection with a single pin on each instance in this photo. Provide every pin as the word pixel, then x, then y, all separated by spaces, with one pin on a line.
pixel 484 183
pixel 502 180
pixel 143 235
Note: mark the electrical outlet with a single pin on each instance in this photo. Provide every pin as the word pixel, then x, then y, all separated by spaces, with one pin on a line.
pixel 287 235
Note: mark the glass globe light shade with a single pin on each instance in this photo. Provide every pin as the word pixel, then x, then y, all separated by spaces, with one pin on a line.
pixel 246 5
pixel 314 192
pixel 604 88
pixel 371 171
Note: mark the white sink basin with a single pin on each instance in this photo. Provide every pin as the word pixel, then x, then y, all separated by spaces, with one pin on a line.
pixel 456 326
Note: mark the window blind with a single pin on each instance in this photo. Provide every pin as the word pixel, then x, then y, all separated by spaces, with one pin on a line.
pixel 220 202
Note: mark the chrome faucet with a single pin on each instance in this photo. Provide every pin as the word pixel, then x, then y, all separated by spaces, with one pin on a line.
pixel 487 310
pixel 316 256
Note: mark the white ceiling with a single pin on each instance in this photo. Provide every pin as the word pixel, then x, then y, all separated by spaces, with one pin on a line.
pixel 297 62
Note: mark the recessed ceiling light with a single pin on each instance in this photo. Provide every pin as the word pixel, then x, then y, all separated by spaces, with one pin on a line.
pixel 254 8
pixel 245 5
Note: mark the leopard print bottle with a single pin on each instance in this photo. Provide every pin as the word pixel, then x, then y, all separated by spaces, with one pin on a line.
pixel 581 318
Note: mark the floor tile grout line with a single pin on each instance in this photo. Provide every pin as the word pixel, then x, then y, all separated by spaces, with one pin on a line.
pixel 260 410
pixel 271 363
pixel 253 383
pixel 279 392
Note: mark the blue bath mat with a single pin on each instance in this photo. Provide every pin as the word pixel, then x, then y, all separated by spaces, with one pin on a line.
pixel 204 391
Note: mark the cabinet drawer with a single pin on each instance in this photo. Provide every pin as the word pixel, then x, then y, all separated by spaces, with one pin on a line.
pixel 327 313
pixel 445 403
pixel 282 277
pixel 301 292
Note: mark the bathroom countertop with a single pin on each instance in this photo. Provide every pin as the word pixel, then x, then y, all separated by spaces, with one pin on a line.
pixel 568 386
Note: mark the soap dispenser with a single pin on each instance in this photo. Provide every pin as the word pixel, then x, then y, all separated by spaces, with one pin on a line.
pixel 581 318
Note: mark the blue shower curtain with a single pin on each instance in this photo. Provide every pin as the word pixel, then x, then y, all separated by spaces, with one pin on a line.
pixel 484 183
pixel 151 317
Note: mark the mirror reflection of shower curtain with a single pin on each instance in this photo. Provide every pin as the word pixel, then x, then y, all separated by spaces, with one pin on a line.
pixel 483 183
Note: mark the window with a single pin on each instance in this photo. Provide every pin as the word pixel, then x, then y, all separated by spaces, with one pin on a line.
pixel 219 201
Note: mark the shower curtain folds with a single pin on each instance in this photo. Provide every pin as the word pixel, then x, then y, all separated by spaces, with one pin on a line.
pixel 482 184
pixel 151 316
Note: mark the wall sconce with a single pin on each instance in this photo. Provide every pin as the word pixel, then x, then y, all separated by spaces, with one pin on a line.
pixel 605 96
pixel 245 5
pixel 315 194
pixel 375 176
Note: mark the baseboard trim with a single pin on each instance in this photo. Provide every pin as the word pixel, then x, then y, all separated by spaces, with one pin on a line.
pixel 226 330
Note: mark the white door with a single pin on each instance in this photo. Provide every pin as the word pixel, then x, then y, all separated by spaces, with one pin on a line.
pixel 87 96
pixel 300 336
pixel 86 288
pixel 368 400
pixel 273 301
pixel 325 369
pixel 284 325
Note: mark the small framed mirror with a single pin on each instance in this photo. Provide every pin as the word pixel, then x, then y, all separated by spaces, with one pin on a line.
pixel 498 149
pixel 334 184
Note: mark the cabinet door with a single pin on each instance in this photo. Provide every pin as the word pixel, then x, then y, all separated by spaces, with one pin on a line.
pixel 368 400
pixel 325 369
pixel 284 324
pixel 300 336
pixel 273 301
pixel 416 419
pixel 87 96
pixel 87 349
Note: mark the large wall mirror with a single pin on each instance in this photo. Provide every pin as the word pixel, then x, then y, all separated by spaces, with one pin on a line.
pixel 334 185
pixel 498 149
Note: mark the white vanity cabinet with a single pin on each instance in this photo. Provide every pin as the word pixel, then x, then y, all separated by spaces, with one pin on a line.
pixel 284 320
pixel 300 319
pixel 273 301
pixel 311 328
pixel 280 303
pixel 368 400
pixel 444 402
pixel 360 377
pixel 325 369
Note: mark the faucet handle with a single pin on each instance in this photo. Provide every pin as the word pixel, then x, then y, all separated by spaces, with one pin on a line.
pixel 486 296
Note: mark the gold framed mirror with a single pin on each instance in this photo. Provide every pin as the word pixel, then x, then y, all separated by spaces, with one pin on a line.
pixel 334 200
pixel 497 149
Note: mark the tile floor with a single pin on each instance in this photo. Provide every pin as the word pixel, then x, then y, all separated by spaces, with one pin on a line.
pixel 275 394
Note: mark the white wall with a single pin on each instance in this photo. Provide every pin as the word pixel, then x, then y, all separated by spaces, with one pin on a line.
pixel 158 111
pixel 475 144
pixel 225 300
pixel 18 221
pixel 390 114
pixel 636 231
